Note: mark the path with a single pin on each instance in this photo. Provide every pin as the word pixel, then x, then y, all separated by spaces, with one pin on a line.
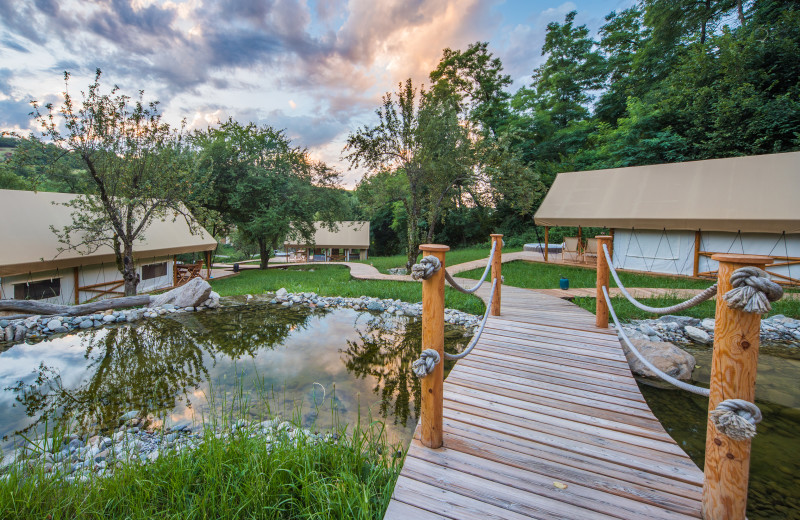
pixel 544 420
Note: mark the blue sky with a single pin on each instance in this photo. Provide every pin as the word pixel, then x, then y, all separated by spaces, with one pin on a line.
pixel 314 67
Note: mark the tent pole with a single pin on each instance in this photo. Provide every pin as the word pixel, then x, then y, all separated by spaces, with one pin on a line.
pixel 546 241
pixel 696 269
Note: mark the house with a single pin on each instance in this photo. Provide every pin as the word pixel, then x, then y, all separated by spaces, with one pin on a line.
pixel 670 218
pixel 349 241
pixel 34 265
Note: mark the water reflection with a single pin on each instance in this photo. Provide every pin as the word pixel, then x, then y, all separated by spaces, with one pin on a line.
pixel 319 365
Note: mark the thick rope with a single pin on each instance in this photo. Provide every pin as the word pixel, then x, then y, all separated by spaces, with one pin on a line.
pixel 752 291
pixel 736 418
pixel 458 287
pixel 425 268
pixel 666 377
pixel 682 306
pixel 426 363
pixel 477 335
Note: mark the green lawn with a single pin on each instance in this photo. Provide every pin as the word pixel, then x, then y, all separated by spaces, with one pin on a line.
pixel 456 256
pixel 335 280
pixel 538 275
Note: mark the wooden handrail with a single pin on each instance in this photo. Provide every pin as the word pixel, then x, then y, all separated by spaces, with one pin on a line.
pixel 733 376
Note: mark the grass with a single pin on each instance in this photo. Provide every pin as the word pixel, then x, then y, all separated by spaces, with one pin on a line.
pixel 335 280
pixel 237 477
pixel 457 256
pixel 538 275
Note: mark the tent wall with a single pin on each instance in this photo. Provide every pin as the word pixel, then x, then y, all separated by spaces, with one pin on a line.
pixel 673 252
pixel 100 277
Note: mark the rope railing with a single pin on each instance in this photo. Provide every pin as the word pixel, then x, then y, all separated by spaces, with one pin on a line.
pixel 477 286
pixel 682 306
pixel 429 357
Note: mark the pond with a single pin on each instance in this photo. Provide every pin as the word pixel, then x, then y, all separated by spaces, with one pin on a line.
pixel 775 458
pixel 323 367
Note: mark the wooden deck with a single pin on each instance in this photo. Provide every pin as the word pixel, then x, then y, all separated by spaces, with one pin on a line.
pixel 544 420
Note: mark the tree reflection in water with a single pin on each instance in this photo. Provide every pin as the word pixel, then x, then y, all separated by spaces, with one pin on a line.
pixel 385 350
pixel 152 366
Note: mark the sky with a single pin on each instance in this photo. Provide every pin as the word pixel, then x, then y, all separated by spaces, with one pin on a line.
pixel 316 68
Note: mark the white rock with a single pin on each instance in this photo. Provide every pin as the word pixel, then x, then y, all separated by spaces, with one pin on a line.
pixel 708 324
pixel 698 335
pixel 281 293
pixel 53 324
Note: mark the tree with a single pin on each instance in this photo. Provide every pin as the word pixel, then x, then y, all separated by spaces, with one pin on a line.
pixel 137 170
pixel 264 186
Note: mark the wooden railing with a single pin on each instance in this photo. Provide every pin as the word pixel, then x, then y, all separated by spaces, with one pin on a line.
pixel 431 434
pixel 733 376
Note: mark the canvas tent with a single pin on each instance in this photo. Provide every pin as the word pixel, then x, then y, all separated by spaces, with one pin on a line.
pixel 349 241
pixel 670 218
pixel 33 264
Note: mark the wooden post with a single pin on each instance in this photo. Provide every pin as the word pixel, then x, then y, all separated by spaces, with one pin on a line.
pixel 733 376
pixel 546 241
pixel 433 337
pixel 208 265
pixel 76 280
pixel 174 270
pixel 497 266
pixel 696 268
pixel 601 316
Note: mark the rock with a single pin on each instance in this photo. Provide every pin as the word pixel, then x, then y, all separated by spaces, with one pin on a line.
pixel 647 330
pixel 375 306
pixel 682 320
pixel 108 318
pixel 3 324
pixel 19 332
pixel 281 293
pixel 53 324
pixel 129 415
pixel 698 335
pixel 191 294
pixel 9 333
pixel 708 324
pixel 665 356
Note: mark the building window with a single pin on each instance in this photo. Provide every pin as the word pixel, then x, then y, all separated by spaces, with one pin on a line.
pixel 38 290
pixel 154 271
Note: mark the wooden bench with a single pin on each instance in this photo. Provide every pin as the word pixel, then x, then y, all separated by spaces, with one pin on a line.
pixel 185 272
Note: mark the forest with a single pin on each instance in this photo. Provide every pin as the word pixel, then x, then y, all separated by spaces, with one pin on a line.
pixel 461 156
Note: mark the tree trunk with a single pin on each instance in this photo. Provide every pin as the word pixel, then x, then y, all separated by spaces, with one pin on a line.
pixel 262 250
pixel 129 274
pixel 740 11
pixel 32 307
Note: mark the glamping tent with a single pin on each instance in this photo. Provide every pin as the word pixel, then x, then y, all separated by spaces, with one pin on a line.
pixel 350 241
pixel 670 218
pixel 34 265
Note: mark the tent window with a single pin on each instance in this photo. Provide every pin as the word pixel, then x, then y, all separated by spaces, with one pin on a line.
pixel 38 290
pixel 154 271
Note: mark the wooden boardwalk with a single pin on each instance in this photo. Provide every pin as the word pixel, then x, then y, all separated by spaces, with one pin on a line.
pixel 544 420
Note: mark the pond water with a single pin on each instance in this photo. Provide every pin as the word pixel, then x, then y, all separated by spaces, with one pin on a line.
pixel 775 458
pixel 322 366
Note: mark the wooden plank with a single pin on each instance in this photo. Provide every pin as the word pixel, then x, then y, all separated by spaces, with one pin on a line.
pixel 469 459
pixel 554 348
pixel 503 349
pixel 402 511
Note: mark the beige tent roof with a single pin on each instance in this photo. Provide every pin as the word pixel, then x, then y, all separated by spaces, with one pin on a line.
pixel 28 244
pixel 758 194
pixel 350 234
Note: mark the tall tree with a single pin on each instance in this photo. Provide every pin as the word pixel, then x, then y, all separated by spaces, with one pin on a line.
pixel 137 170
pixel 263 185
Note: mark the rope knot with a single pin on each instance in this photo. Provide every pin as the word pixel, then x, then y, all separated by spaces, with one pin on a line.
pixel 752 291
pixel 736 418
pixel 426 363
pixel 425 268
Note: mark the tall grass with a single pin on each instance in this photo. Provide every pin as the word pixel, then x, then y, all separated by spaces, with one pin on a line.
pixel 335 280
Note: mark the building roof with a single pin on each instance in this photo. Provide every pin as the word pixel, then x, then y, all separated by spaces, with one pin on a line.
pixel 757 194
pixel 29 245
pixel 349 234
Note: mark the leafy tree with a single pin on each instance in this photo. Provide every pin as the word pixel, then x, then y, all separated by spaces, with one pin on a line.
pixel 136 169
pixel 263 185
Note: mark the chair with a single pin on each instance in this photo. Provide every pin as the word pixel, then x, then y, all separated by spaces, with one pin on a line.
pixel 591 249
pixel 572 247
pixel 185 272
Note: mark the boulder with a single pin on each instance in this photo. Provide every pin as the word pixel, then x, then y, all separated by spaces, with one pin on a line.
pixel 191 294
pixel 664 355
pixel 681 320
